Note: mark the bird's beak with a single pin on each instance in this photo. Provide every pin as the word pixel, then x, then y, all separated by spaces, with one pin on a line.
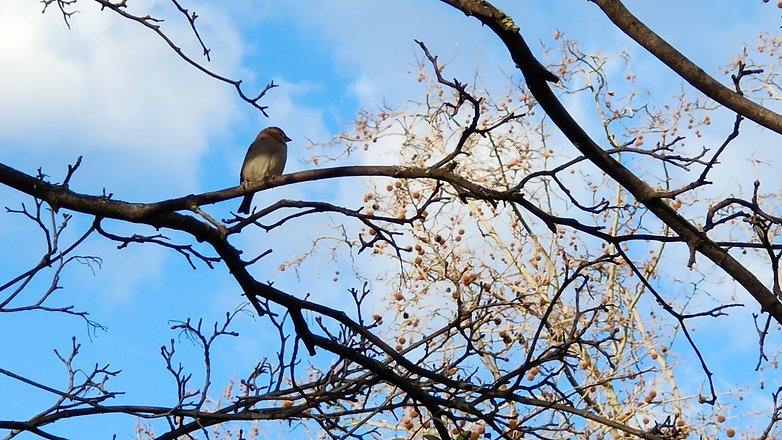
pixel 287 139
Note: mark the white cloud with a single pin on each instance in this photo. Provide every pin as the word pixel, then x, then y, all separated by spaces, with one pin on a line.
pixel 111 90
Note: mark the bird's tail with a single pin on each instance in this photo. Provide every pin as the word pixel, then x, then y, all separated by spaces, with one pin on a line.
pixel 244 208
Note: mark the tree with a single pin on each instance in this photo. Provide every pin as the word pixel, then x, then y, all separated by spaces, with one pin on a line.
pixel 514 275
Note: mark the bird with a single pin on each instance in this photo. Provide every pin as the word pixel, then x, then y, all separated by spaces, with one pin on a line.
pixel 265 157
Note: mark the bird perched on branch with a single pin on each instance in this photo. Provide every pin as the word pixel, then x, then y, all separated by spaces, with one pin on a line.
pixel 265 158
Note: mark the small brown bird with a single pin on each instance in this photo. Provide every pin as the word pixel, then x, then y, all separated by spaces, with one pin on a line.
pixel 265 158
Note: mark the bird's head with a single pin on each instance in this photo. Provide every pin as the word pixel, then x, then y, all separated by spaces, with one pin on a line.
pixel 274 133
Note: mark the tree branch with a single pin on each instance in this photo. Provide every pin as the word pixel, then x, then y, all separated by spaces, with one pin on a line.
pixel 537 80
pixel 685 68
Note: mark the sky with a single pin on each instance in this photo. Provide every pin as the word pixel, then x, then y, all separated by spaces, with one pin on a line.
pixel 149 127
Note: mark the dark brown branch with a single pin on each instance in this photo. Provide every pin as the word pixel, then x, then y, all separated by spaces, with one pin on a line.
pixel 191 18
pixel 254 290
pixel 63 5
pixel 685 68
pixel 537 80
pixel 153 24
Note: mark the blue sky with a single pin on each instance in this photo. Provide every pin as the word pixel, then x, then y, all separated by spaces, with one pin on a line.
pixel 151 127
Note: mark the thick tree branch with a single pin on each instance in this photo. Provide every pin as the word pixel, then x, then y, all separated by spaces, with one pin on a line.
pixel 537 81
pixel 688 70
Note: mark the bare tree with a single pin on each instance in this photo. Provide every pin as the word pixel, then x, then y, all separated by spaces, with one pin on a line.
pixel 530 272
